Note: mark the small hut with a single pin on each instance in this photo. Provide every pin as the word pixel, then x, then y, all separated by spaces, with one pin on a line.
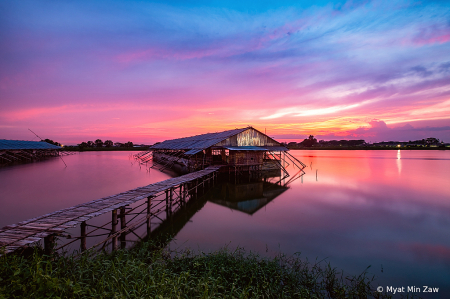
pixel 245 149
pixel 22 151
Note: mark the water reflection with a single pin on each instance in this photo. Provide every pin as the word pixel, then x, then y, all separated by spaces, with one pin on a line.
pixel 399 162
pixel 387 209
pixel 381 209
pixel 246 197
pixel 238 194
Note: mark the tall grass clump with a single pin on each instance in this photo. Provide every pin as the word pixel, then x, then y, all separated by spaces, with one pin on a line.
pixel 150 272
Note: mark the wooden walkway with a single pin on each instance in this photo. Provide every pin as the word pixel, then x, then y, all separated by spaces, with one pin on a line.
pixel 33 230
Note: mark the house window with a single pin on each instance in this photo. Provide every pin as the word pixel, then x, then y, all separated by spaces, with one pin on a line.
pixel 216 152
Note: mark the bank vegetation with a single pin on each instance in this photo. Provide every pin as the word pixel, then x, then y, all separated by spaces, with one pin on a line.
pixel 147 271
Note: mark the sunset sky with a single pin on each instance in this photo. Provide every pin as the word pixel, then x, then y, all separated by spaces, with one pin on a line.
pixel 146 71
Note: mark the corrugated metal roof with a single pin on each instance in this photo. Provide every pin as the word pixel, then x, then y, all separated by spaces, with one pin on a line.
pixel 199 142
pixel 277 148
pixel 193 151
pixel 246 148
pixel 22 145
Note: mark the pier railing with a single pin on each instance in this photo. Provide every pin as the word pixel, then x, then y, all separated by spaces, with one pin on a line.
pixel 129 211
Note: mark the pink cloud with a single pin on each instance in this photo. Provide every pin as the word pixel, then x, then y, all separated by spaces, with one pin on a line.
pixel 432 35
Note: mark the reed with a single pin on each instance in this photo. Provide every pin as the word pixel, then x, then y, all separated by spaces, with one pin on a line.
pixel 148 271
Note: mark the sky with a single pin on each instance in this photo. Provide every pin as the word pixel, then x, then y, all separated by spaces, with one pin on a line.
pixel 147 71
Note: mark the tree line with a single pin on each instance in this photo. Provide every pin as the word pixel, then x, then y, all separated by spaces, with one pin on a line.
pixel 108 143
pixel 51 142
pixel 311 141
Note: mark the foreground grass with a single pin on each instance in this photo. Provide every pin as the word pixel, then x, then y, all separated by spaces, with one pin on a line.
pixel 148 272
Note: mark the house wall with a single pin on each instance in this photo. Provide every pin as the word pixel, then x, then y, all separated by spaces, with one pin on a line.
pixel 246 157
pixel 249 137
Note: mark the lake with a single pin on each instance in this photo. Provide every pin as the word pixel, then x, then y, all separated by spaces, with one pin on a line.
pixel 389 210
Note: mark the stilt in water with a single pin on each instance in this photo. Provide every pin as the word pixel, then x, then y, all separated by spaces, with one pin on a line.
pixel 114 229
pixel 83 236
pixel 123 224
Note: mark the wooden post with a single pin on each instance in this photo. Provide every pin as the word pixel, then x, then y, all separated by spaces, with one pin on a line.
pixel 196 185
pixel 123 224
pixel 114 229
pixel 83 236
pixel 49 243
pixel 149 224
pixel 167 204
pixel 171 201
pixel 181 195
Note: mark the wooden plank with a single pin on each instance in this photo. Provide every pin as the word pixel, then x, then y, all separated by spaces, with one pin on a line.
pixel 34 229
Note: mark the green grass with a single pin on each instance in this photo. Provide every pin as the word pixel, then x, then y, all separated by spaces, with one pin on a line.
pixel 149 272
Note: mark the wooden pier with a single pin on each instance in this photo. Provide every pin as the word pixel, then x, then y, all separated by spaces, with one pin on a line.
pixel 175 190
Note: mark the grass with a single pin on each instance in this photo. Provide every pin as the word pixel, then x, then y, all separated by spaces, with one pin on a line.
pixel 150 272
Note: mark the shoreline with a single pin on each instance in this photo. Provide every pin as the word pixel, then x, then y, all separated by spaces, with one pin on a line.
pixel 75 149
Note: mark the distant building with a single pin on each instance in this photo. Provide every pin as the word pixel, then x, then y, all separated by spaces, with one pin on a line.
pixel 390 144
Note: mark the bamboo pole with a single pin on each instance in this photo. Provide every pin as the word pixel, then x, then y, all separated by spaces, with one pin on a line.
pixel 149 224
pixel 83 236
pixel 114 229
pixel 49 243
pixel 167 204
pixel 123 225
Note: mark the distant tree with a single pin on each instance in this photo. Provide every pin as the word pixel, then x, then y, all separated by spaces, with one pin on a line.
pixel 292 145
pixel 51 142
pixel 90 143
pixel 108 143
pixel 98 143
pixel 83 145
pixel 432 140
pixel 309 142
pixel 129 144
pixel 118 144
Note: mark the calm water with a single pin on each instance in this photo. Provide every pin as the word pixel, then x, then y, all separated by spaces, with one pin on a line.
pixel 386 209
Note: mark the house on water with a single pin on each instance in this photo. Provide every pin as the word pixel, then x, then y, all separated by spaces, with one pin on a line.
pixel 12 151
pixel 245 149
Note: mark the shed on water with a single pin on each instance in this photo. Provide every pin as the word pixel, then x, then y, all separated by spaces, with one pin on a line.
pixel 240 149
pixel 22 150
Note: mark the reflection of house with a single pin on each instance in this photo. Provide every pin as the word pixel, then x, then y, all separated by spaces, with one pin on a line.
pixel 247 198
pixel 240 149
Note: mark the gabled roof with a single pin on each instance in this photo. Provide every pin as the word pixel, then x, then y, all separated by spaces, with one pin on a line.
pixel 197 142
pixel 22 145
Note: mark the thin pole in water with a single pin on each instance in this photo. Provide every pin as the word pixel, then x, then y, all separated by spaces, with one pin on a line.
pixel 63 160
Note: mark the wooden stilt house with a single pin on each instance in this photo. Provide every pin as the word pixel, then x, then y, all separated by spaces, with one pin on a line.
pixel 245 149
pixel 12 151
